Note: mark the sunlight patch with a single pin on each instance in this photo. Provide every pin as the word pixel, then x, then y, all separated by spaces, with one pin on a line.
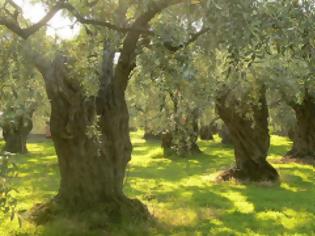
pixel 289 218
pixel 175 217
pixel 240 202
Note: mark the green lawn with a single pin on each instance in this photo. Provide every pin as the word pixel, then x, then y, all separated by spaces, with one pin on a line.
pixel 181 194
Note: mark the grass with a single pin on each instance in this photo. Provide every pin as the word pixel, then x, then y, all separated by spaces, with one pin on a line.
pixel 181 193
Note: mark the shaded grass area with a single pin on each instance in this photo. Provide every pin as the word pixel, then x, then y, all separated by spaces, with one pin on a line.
pixel 181 194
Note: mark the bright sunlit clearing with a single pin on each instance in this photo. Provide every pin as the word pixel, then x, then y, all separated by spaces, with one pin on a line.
pixel 59 25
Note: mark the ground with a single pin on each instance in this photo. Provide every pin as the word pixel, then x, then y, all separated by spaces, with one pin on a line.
pixel 181 193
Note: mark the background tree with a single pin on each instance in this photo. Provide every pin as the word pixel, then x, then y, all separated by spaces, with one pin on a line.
pixel 291 64
pixel 21 95
pixel 178 97
pixel 282 117
pixel 239 39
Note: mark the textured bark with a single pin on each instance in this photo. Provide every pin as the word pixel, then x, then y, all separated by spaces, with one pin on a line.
pixel 92 153
pixel 91 134
pixel 15 134
pixel 304 131
pixel 78 153
pixel 251 140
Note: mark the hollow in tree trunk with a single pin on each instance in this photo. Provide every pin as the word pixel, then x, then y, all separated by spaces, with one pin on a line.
pixel 250 138
pixel 304 132
pixel 15 134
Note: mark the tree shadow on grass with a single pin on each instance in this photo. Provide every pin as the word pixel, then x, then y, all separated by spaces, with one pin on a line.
pixel 290 204
pixel 38 175
pixel 176 168
pixel 213 158
pixel 182 199
pixel 275 208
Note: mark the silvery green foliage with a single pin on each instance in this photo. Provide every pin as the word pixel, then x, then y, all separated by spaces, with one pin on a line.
pixel 291 61
pixel 167 89
pixel 290 77
pixel 261 42
pixel 281 116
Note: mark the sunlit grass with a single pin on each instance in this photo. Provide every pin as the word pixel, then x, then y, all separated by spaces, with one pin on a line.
pixel 181 194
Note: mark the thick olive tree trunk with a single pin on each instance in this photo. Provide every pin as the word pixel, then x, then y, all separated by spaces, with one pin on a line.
pixel 91 138
pixel 250 138
pixel 304 132
pixel 15 134
pixel 91 134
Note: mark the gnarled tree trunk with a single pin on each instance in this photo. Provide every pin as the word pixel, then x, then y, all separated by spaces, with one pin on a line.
pixel 15 134
pixel 92 153
pixel 250 137
pixel 304 131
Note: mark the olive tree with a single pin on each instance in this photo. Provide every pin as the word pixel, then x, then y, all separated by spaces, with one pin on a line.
pixel 90 131
pixel 291 66
pixel 21 95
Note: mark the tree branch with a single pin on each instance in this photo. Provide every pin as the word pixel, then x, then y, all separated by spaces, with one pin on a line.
pixel 26 32
pixel 62 5
pixel 136 27
pixel 193 38
pixel 126 61
pixel 87 21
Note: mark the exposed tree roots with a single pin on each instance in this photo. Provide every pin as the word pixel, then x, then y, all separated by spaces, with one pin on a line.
pixel 296 157
pixel 100 216
pixel 264 174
